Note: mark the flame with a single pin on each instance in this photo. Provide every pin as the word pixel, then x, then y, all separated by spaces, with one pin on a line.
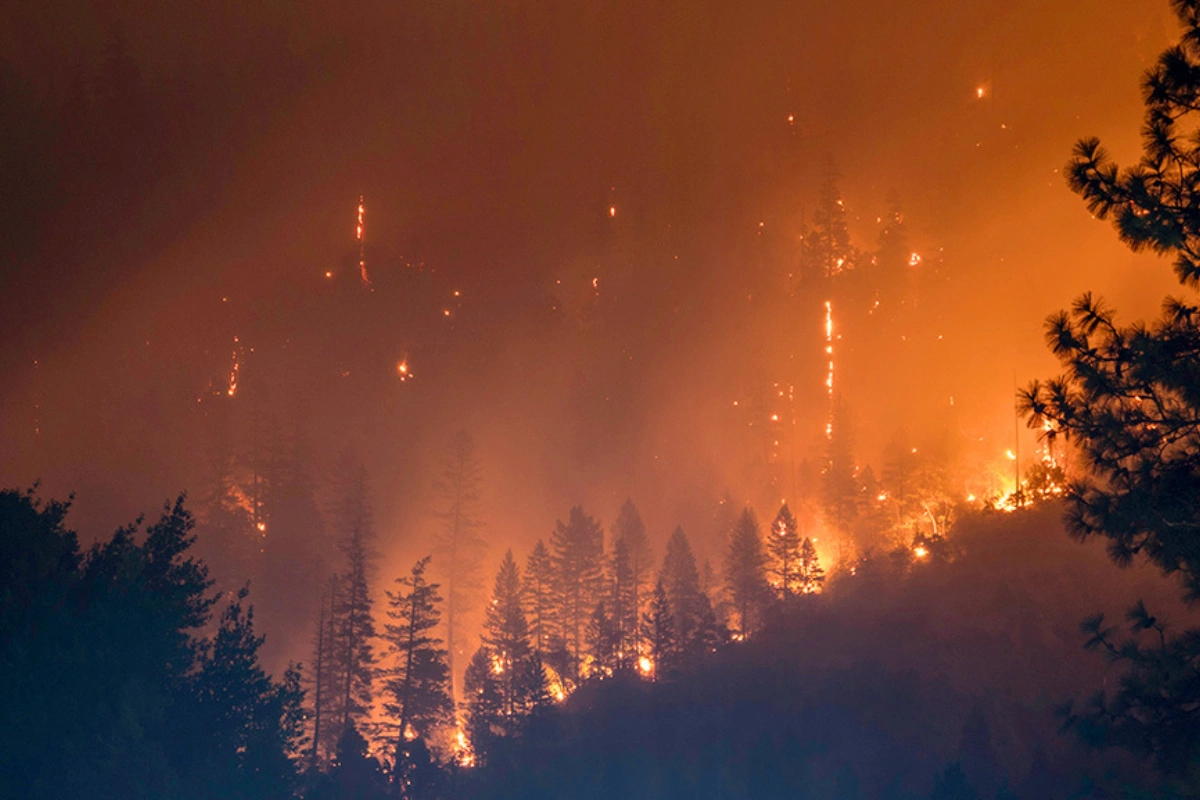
pixel 360 235
pixel 235 369
pixel 645 665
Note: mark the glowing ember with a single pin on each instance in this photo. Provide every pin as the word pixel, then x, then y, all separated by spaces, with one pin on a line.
pixel 920 551
pixel 235 369
pixel 645 665
pixel 361 236
pixel 612 211
pixel 914 260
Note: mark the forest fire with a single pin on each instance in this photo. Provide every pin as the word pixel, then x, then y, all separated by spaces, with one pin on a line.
pixel 745 462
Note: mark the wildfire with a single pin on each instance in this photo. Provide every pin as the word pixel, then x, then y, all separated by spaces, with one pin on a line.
pixel 920 551
pixel 464 756
pixel 360 235
pixel 645 665
pixel 235 369
pixel 403 371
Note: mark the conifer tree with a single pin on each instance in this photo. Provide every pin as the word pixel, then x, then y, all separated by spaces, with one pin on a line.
pixel 1128 399
pixel 693 619
pixel 840 487
pixel 539 596
pixel 484 703
pixel 825 250
pixel 783 546
pixel 601 642
pixel 353 645
pixel 681 580
pixel 506 634
pixel 417 684
pixel 577 553
pixel 622 608
pixel 660 634
pixel 746 572
pixel 629 533
pixel 810 576
pixel 458 544
pixel 246 727
pixel 322 675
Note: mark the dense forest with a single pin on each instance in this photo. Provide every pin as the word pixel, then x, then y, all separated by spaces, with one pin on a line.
pixel 883 635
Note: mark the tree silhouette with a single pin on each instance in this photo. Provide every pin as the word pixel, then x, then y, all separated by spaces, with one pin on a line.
pixel 538 592
pixel 629 535
pixel 419 680
pixel 353 644
pixel 1129 398
pixel 577 552
pixel 746 572
pixel 457 544
pixel 783 546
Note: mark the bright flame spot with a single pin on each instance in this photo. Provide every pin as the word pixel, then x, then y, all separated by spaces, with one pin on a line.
pixel 645 665
pixel 980 92
pixel 914 259
pixel 920 551
pixel 328 274
pixel 774 418
pixel 262 527
pixel 1010 455
pixel 612 211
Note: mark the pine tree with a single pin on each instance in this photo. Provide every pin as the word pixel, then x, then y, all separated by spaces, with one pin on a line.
pixel 746 572
pixel 693 619
pixel 353 644
pixel 629 533
pixel 783 545
pixel 246 726
pixel 506 633
pixel 484 703
pixel 1128 400
pixel 538 591
pixel 681 581
pixel 810 576
pixel 622 609
pixel 825 250
pixel 322 675
pixel 577 549
pixel 418 682
pixel 660 634
pixel 458 544
pixel 601 643
pixel 841 492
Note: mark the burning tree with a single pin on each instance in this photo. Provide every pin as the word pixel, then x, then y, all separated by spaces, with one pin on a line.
pixel 783 544
pixel 1129 399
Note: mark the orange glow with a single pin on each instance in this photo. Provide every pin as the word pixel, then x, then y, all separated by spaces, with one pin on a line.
pixel 612 211
pixel 645 665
